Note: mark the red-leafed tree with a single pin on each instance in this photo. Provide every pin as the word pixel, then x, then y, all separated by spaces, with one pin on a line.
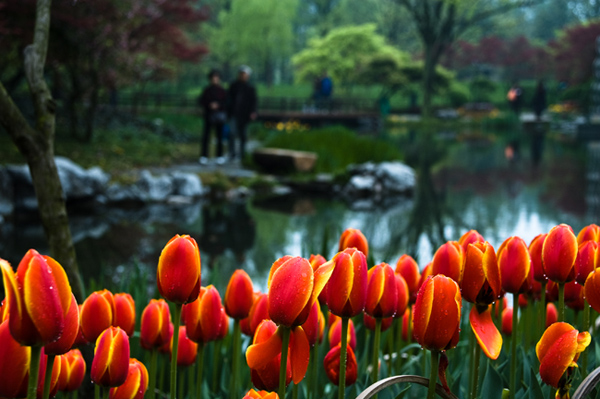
pixel 574 53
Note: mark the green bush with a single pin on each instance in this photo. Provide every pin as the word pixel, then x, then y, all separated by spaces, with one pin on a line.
pixel 458 94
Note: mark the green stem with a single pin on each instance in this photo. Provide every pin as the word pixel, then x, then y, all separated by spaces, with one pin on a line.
pixel 200 360
pixel 344 349
pixel 97 394
pixel 586 327
pixel 561 301
pixel 235 364
pixel 34 369
pixel 513 347
pixel 295 392
pixel 48 376
pixel 433 374
pixel 314 359
pixel 375 358
pixel 176 321
pixel 542 317
pixel 107 393
pixel 181 376
pixel 399 346
pixel 285 344
pixel 475 380
pixel 152 374
pixel 74 394
pixel 472 344
pixel 216 360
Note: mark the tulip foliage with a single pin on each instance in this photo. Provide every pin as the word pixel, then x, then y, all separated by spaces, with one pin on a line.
pixel 322 327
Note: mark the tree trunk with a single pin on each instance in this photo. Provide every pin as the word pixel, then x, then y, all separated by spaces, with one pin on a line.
pixel 37 146
pixel 428 76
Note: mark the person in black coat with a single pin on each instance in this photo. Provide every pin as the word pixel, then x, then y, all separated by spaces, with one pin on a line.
pixel 539 100
pixel 213 101
pixel 242 103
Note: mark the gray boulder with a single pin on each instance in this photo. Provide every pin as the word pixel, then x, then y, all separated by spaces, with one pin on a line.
pixel 153 189
pixel 395 177
pixel 77 182
pixel 379 180
pixel 187 184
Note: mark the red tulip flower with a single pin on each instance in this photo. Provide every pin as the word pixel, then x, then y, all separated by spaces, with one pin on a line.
pixel 179 270
pixel 72 371
pixel 135 385
pixel 80 339
pixel 587 260
pixel 354 238
pixel 592 290
pixel 335 333
pixel 369 322
pixel 480 279
pixel 403 295
pixel 574 296
pixel 67 339
pixel 406 321
pixel 39 297
pixel 97 314
pixel 558 351
pixel 203 316
pixel 425 274
pixel 559 253
pixel 258 312
pixel 314 325
pixel 507 315
pixel 224 325
pixel 111 358
pixel 294 288
pixel 316 261
pixel 589 233
pixel 264 356
pixel 332 365
pixel 515 264
pixel 124 313
pixel 252 394
pixel 448 260
pixel 408 268
pixel 470 237
pixel 437 314
pixel 347 287
pixel 187 349
pixel 551 314
pixel 382 294
pixel 535 251
pixel 14 365
pixel 239 295
pixel 156 328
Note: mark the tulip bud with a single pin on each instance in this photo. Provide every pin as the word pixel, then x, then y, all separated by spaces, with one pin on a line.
pixel 382 293
pixel 67 339
pixel 224 325
pixel 80 339
pixel 335 333
pixel 507 315
pixel 252 394
pixel 406 319
pixel 535 251
pixel 124 313
pixel 347 287
pixel 448 260
pixel 551 314
pixel 14 365
pixel 369 322
pixel 316 261
pixel 258 312
pixel 314 325
pixel 438 301
pixel 155 329
pixel 239 295
pixel 480 278
pixel 354 238
pixel 178 273
pixel 54 378
pixel 515 264
pixel 40 295
pixel 135 385
pixel 332 365
pixel 425 274
pixel 203 316
pixel 470 237
pixel 403 295
pixel 111 358
pixel 408 268
pixel 589 233
pixel 587 260
pixel 574 298
pixel 559 253
pixel 72 371
pixel 186 351
pixel 97 314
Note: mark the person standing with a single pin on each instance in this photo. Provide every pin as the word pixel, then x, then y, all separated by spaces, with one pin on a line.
pixel 213 101
pixel 242 103
pixel 539 101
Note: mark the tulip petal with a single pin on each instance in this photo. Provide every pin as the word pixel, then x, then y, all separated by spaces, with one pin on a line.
pixel 299 354
pixel 290 290
pixel 559 253
pixel 321 277
pixel 485 330
pixel 62 282
pixel 14 366
pixel 259 355
pixel 551 335
pixel 558 358
pixel 340 284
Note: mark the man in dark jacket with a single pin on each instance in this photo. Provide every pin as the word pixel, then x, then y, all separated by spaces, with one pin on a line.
pixel 213 101
pixel 242 103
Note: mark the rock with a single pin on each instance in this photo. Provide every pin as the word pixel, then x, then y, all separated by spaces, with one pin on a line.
pixel 153 189
pixel 187 184
pixel 77 182
pixel 377 181
pixel 277 160
pixel 395 177
pixel 362 184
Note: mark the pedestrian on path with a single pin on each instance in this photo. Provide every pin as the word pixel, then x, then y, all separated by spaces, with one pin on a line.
pixel 213 101
pixel 242 103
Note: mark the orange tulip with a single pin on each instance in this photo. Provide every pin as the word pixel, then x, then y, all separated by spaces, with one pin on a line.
pixel 166 347
pixel 258 312
pixel 97 314
pixel 470 237
pixel 535 251
pixel 347 287
pixel 80 339
pixel 437 314
pixel 408 268
pixel 332 365
pixel 354 238
pixel 39 297
pixel 111 358
pixel 382 294
pixel 515 264
pixel 186 350
pixel 369 322
pixel 3 310
pixel 72 371
pixel 252 394
pixel 316 261
pixel 314 325
pixel 559 253
pixel 224 325
pixel 574 296
pixel 589 233
pixel 403 295
pixel 335 333
pixel 155 329
pixel 551 314
pixel 507 315
pixel 14 365
pixel 480 278
pixel 67 339
pixel 264 355
pixel 54 378
pixel 239 295
pixel 551 291
pixel 203 316
pixel 558 351
pixel 448 260
pixel 592 290
pixel 425 274
pixel 135 385
pixel 178 272
pixel 124 313
pixel 587 260
pixel 406 319
pixel 294 288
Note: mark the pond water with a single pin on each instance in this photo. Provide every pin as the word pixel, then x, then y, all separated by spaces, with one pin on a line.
pixel 492 183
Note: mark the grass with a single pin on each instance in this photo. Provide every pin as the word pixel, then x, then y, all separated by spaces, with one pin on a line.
pixel 337 147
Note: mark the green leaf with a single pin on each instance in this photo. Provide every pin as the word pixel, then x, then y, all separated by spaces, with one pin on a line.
pixel 492 384
pixel 535 390
pixel 403 392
